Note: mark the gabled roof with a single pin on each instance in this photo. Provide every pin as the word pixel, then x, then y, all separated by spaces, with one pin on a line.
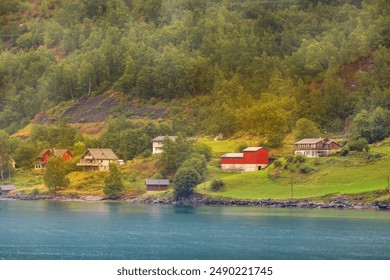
pixel 157 182
pixel 100 154
pixel 315 141
pixel 57 152
pixel 233 155
pixel 310 141
pixel 162 138
pixel 7 187
pixel 252 149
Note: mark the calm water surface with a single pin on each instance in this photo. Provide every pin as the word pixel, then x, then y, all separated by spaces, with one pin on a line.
pixel 114 231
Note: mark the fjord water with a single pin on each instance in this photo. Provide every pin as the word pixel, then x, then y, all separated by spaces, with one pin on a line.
pixel 114 231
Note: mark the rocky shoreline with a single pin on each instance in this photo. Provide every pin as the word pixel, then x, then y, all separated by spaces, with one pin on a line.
pixel 199 200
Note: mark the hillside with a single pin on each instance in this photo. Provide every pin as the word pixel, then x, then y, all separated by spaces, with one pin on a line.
pixel 222 60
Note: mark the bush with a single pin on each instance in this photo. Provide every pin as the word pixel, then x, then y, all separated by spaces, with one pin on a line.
pixel 358 145
pixel 217 185
pixel 289 159
pixel 299 159
pixel 305 169
pixel 186 180
pixel 278 163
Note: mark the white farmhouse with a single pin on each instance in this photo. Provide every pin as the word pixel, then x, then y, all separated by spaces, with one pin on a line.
pixel 158 143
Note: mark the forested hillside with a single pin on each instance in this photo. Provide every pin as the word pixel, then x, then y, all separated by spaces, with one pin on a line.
pixel 250 66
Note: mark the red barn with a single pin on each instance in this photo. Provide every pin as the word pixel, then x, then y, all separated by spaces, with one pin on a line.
pixel 46 154
pixel 251 159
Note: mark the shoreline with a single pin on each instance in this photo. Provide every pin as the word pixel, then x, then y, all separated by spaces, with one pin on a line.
pixel 340 203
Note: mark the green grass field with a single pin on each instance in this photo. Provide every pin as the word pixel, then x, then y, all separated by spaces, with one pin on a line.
pixel 331 176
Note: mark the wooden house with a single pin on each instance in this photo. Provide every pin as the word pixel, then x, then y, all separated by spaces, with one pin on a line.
pixel 156 184
pixel 315 147
pixel 251 159
pixel 44 156
pixel 158 143
pixel 97 159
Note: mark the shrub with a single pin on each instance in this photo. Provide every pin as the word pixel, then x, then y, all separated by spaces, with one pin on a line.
pixel 289 159
pixel 186 180
pixel 299 159
pixel 278 163
pixel 217 185
pixel 305 169
pixel 358 145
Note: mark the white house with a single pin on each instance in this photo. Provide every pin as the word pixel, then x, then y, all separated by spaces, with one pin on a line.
pixel 315 147
pixel 158 143
pixel 97 159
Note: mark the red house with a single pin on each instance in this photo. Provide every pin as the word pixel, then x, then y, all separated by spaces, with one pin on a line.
pixel 46 154
pixel 251 159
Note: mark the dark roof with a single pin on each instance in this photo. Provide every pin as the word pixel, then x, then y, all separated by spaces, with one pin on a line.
pixel 157 182
pixel 162 138
pixel 100 154
pixel 7 187
pixel 315 141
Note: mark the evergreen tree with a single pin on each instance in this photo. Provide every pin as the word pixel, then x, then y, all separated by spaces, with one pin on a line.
pixel 113 183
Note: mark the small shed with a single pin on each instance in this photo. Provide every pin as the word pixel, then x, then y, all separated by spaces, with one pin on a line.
pixel 4 189
pixel 154 185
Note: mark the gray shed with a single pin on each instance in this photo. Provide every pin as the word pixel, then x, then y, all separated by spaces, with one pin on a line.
pixel 4 189
pixel 157 184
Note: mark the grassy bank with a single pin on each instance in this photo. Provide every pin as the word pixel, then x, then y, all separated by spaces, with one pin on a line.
pixel 358 174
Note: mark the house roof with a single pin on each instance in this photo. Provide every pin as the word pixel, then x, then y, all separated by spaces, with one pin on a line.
pixel 309 141
pixel 162 138
pixel 233 155
pixel 7 187
pixel 157 182
pixel 57 152
pixel 100 154
pixel 252 149
pixel 315 141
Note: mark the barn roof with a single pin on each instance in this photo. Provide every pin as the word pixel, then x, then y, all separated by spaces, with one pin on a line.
pixel 100 154
pixel 233 155
pixel 7 187
pixel 162 138
pixel 157 182
pixel 252 149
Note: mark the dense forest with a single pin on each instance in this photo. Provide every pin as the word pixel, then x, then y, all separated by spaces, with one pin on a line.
pixel 224 66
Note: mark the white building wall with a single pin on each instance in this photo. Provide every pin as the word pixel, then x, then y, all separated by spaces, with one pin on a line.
pixel 157 147
pixel 242 167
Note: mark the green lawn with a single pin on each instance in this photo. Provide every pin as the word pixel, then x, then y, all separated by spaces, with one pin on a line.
pixel 330 176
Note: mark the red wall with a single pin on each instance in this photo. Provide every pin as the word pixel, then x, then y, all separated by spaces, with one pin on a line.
pixel 258 157
pixel 67 156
